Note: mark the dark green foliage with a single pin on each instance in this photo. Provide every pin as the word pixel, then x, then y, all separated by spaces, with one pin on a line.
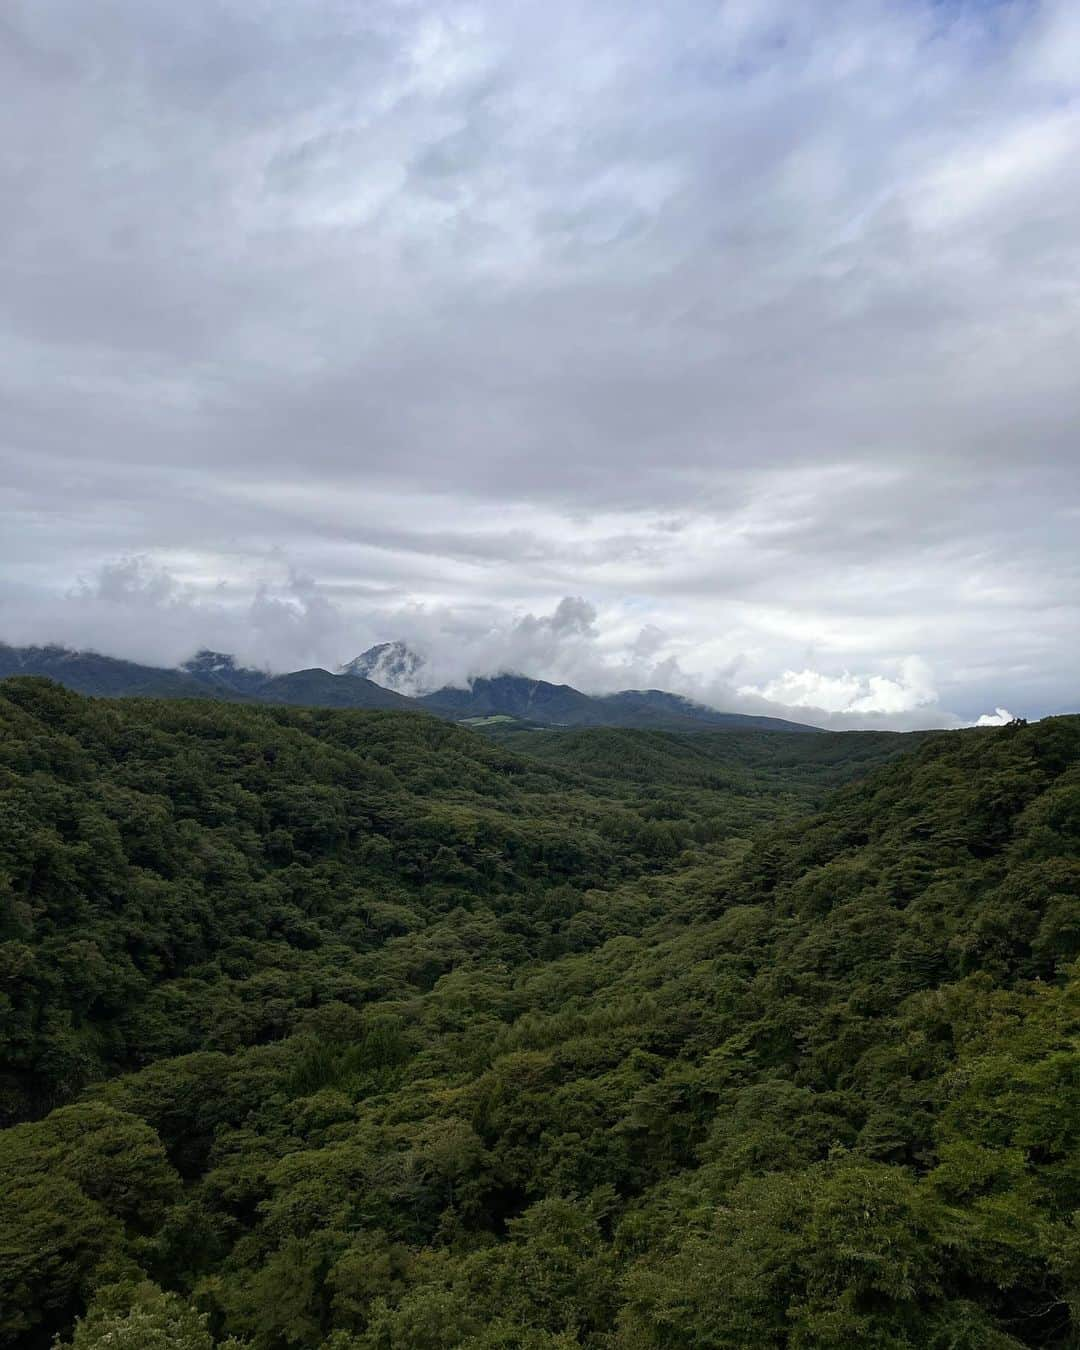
pixel 356 1030
pixel 83 1192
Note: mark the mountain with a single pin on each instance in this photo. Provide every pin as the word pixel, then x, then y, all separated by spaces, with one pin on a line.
pixel 317 688
pixel 206 675
pixel 348 1030
pixel 514 696
pixel 655 707
pixel 560 705
pixel 103 676
pixel 219 671
pixel 397 666
pixel 537 703
pixel 391 664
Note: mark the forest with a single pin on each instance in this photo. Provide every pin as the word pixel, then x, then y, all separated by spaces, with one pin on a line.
pixel 360 1030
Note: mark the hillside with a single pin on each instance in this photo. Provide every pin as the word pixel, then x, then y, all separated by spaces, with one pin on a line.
pixel 317 688
pixel 736 760
pixel 361 1030
pixel 561 705
pixel 102 676
pixel 647 708
pixel 207 675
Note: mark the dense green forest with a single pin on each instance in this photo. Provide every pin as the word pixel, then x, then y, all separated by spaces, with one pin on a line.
pixel 363 1031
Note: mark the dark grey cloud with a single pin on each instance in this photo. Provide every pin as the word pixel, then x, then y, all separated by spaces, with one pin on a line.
pixel 753 324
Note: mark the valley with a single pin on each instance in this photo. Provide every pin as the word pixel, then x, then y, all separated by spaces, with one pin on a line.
pixel 348 1029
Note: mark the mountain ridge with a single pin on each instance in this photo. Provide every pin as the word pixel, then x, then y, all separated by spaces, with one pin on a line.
pixel 539 703
pixel 561 705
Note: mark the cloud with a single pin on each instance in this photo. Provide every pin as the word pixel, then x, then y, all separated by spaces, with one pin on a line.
pixel 1000 717
pixel 847 693
pixel 282 620
pixel 752 326
pixel 140 610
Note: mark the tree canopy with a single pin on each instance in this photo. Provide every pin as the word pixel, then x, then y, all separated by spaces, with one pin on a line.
pixel 351 1030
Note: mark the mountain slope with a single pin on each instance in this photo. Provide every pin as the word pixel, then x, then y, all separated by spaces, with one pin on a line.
pixel 514 695
pixel 655 707
pixel 734 760
pixel 103 676
pixel 207 675
pixel 219 672
pixel 560 705
pixel 319 689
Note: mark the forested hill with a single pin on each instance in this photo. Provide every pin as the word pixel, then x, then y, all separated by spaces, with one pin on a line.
pixel 143 840
pixel 353 1030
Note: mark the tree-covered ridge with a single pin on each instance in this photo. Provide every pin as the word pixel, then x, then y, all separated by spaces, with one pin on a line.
pixel 735 761
pixel 823 1090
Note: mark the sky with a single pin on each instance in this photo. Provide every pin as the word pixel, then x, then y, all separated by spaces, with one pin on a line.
pixel 730 348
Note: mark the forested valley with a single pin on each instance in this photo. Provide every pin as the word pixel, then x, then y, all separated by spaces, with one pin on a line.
pixel 359 1030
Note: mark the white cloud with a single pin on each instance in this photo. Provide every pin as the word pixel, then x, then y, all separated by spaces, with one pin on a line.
pixel 138 609
pixel 848 694
pixel 1000 717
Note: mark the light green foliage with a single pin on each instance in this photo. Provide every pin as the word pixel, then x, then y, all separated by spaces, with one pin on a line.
pixel 142 1318
pixel 358 1031
pixel 833 1255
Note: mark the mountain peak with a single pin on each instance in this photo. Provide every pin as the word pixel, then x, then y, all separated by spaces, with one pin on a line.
pixel 391 664
pixel 207 662
pixel 220 670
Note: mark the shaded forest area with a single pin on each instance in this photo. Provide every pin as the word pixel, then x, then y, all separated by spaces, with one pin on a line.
pixel 357 1030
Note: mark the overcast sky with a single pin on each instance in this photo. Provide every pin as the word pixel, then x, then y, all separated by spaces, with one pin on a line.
pixel 730 347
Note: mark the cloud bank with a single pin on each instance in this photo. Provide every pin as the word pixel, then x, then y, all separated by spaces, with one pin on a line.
pixel 286 621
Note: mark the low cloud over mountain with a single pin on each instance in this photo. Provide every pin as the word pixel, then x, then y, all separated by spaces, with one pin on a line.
pixel 287 622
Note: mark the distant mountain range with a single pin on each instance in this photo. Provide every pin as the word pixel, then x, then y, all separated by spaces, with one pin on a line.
pixel 503 698
pixel 207 675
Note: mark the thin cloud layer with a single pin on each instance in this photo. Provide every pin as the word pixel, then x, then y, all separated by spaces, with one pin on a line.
pixel 726 347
